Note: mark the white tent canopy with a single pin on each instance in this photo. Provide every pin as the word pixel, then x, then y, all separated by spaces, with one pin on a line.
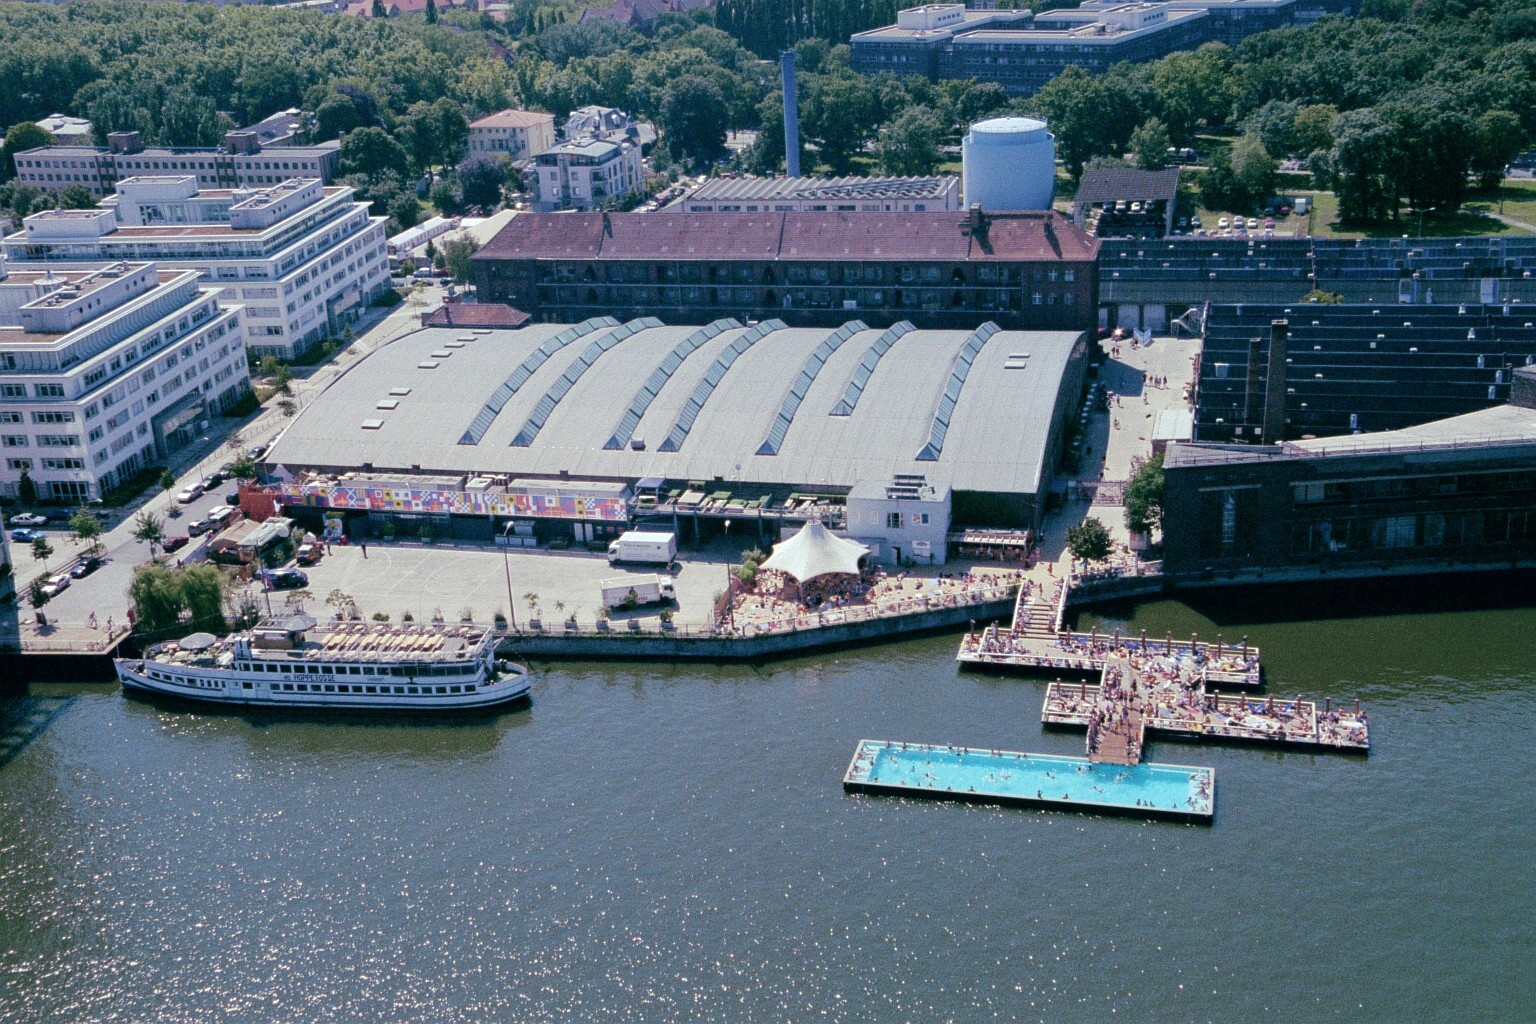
pixel 815 551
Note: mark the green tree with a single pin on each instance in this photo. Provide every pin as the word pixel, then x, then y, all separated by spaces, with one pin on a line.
pixel 42 550
pixel 243 468
pixel 167 480
pixel 1434 149
pixel 431 12
pixel 1149 144
pixel 1312 130
pixel 1360 163
pixel 76 197
pixel 1089 541
pixel 1194 90
pixel 19 138
pixel 149 529
pixel 38 595
pixel 909 143
pixel 371 151
pixel 458 259
pixel 378 10
pixel 693 113
pixel 444 196
pixel 87 529
pixel 838 113
pixel 1499 136
pixel 1144 497
pixel 26 489
pixel 481 179
pixel 405 208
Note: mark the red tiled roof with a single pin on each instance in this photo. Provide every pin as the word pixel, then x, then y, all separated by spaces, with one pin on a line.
pixel 791 236
pixel 475 314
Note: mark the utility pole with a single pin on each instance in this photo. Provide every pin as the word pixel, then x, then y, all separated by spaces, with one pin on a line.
pixel 506 563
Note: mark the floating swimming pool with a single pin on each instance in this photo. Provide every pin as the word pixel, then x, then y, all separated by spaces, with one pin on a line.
pixel 1173 791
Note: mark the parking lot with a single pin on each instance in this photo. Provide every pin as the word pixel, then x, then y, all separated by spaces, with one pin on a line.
pixel 426 580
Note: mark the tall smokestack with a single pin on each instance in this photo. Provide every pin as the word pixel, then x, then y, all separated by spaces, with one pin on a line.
pixel 1275 381
pixel 791 116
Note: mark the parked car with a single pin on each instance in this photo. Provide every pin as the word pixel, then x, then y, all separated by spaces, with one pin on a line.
pixel 232 498
pixel 285 579
pixel 1253 223
pixel 308 554
pixel 173 543
pixel 210 481
pixel 85 567
pixel 1225 222
pixel 25 535
pixel 257 451
pixel 28 519
pixel 55 585
pixel 189 494
pixel 198 527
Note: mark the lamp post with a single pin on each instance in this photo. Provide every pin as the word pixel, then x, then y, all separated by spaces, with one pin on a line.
pixel 506 564
pixel 1430 209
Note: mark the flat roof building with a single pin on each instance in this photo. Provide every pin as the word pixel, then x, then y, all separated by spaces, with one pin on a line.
pixel 242 162
pixel 302 259
pixel 1022 51
pixel 1027 271
pixel 585 173
pixel 1456 492
pixel 602 423
pixel 838 195
pixel 1270 373
pixel 105 370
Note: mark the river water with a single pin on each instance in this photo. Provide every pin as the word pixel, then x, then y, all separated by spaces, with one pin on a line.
pixel 671 843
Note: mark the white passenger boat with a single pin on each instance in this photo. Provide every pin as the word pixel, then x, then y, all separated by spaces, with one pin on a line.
pixel 294 663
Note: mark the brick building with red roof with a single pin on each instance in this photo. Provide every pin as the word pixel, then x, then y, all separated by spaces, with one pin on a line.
pixel 1026 271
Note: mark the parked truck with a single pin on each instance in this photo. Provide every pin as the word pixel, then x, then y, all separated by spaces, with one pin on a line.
pixel 646 590
pixel 644 548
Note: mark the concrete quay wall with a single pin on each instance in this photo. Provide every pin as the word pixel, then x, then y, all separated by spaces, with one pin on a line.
pixel 623 644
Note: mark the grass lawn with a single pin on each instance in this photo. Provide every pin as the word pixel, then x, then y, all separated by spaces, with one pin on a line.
pixel 1516 199
pixel 1471 219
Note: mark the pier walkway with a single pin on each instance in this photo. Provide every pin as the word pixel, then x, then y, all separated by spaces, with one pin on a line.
pixel 1166 695
pixel 1035 640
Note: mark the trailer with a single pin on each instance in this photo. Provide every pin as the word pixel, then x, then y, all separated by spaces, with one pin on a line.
pixel 644 548
pixel 617 592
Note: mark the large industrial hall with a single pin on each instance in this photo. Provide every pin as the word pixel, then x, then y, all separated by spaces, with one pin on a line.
pixel 572 433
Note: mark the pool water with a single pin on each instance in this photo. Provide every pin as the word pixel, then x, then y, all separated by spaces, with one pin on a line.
pixel 1035 776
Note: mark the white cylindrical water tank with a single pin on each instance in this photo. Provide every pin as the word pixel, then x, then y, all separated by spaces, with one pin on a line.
pixel 1010 164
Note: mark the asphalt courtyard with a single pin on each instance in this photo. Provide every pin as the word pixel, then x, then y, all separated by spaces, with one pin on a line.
pixel 426 580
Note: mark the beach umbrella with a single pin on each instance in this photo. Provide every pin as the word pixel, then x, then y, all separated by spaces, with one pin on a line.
pixel 1168 648
pixel 1327 704
pixel 1218 645
pixel 1194 643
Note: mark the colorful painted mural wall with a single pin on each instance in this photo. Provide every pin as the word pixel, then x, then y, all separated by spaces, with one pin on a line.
pixel 381 498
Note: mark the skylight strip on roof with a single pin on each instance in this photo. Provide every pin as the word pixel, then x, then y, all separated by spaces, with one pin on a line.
pixel 580 365
pixel 625 431
pixel 499 398
pixel 802 384
pixel 861 373
pixel 712 378
pixel 951 397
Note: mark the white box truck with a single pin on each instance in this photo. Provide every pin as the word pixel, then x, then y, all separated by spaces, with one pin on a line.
pixel 644 548
pixel 647 590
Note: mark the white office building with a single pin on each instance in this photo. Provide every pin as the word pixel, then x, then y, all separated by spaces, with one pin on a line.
pixel 106 370
pixel 304 259
pixel 583 174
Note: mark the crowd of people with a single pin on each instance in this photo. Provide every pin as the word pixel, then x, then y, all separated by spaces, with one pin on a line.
pixel 776 601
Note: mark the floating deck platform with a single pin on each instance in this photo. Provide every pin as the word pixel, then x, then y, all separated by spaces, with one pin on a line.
pixel 1168 791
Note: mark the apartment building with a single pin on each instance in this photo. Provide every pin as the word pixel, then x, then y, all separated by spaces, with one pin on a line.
pixel 514 134
pixel 303 258
pixel 583 174
pixel 106 370
pixel 242 162
pixel 941 270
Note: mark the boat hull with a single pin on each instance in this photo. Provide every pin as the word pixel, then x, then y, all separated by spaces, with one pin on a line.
pixel 503 694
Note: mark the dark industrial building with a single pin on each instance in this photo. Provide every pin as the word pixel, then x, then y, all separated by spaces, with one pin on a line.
pixel 1459 491
pixel 1025 271
pixel 1145 284
pixel 1270 373
pixel 1123 202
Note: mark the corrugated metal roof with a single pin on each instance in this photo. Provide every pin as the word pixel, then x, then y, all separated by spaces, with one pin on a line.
pixel 997 435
